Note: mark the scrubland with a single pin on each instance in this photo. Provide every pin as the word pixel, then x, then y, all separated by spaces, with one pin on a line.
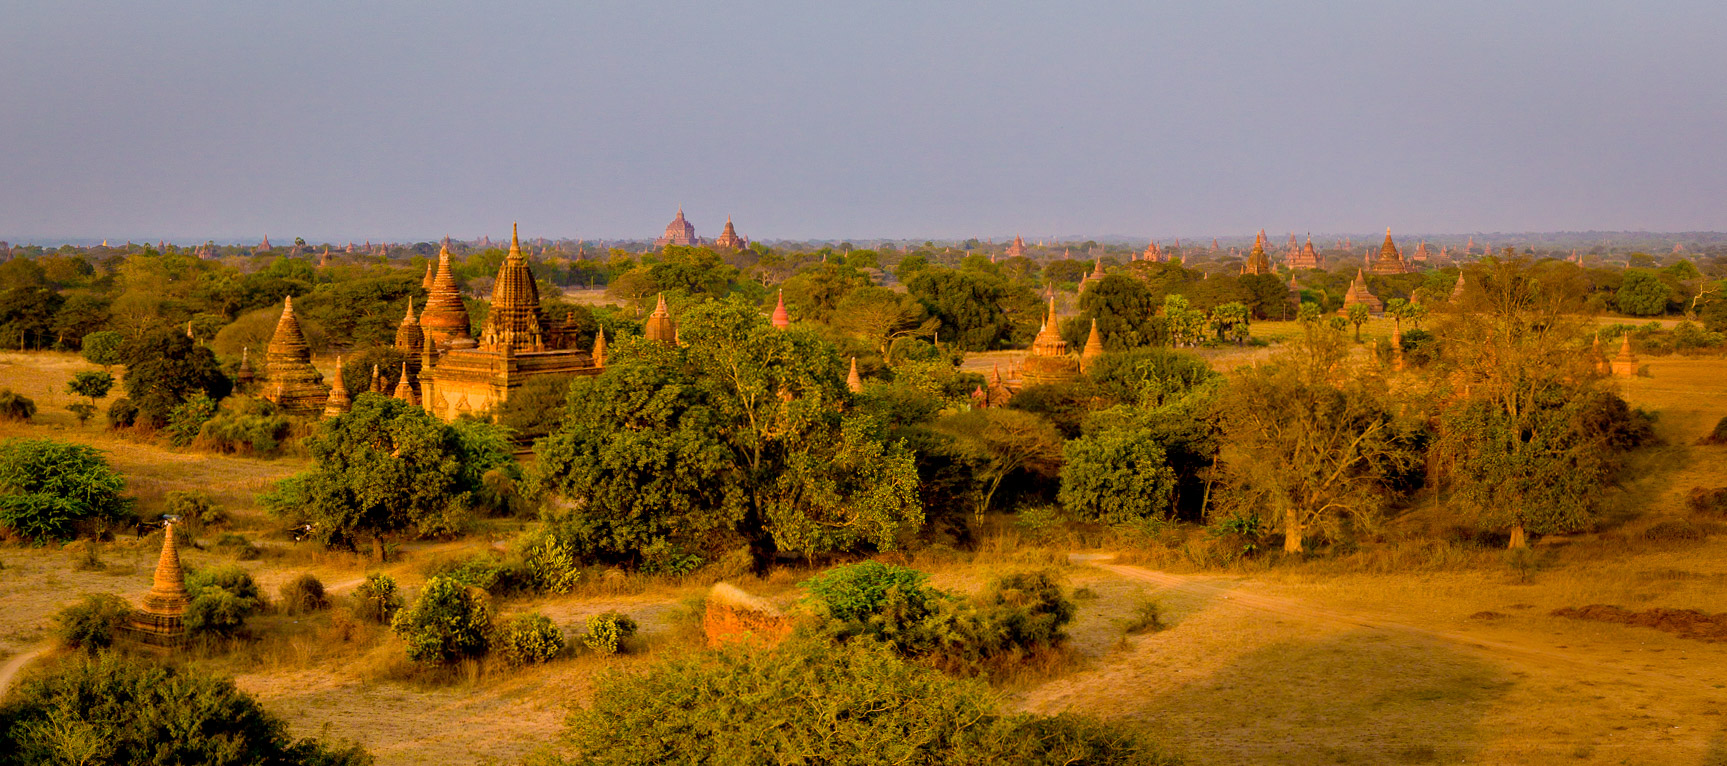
pixel 1424 650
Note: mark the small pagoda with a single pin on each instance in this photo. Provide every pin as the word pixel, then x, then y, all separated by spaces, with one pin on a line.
pixel 339 402
pixel 1390 260
pixel 660 327
pixel 781 318
pixel 1257 262
pixel 1152 253
pixel 1049 361
pixel 1358 293
pixel 162 621
pixel 294 385
pixel 1017 249
pixel 1093 348
pixel 854 382
pixel 1625 364
pixel 444 322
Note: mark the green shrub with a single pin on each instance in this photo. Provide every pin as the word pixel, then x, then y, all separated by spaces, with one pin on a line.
pixel 103 347
pixel 219 599
pixel 188 418
pixel 608 631
pixel 550 565
pixel 122 413
pixel 238 546
pixel 47 486
pixel 245 427
pixel 528 639
pixel 1674 531
pixel 1146 618
pixel 194 506
pixel 15 406
pixel 854 593
pixel 449 622
pixel 82 411
pixel 377 599
pixel 93 623
pixel 303 594
pixel 113 711
pixel 811 702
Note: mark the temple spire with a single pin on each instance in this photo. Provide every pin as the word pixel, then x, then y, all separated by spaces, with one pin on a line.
pixel 854 382
pixel 781 319
pixel 339 402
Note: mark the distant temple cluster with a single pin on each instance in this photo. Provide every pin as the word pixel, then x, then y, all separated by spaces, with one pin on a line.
pixel 683 233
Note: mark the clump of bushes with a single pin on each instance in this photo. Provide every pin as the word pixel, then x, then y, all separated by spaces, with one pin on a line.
pixel 93 623
pixel 304 593
pixel 47 487
pixel 812 702
pixel 1716 436
pixel 608 631
pixel 377 599
pixel 15 406
pixel 188 418
pixel 450 622
pixel 1016 617
pixel 220 599
pixel 113 710
pixel 1146 618
pixel 1674 531
pixel 239 547
pixel 1708 502
pixel 245 426
pixel 122 413
pixel 527 639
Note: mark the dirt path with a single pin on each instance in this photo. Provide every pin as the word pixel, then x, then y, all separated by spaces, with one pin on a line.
pixel 16 664
pixel 1525 652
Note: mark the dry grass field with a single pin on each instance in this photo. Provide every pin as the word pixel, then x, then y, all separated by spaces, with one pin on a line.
pixel 1451 660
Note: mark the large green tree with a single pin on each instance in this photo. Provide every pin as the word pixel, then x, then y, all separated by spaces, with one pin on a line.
pixel 387 468
pixel 736 434
pixel 164 368
pixel 47 486
pixel 969 306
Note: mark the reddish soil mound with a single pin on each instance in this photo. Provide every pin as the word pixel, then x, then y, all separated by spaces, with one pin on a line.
pixel 1685 623
pixel 733 616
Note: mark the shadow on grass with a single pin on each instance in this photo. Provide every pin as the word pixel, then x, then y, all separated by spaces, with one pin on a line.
pixel 1363 697
pixel 1717 753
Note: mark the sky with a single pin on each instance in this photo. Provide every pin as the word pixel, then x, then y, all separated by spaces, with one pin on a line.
pixel 412 120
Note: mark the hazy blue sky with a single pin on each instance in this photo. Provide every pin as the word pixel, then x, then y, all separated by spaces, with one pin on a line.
pixel 399 120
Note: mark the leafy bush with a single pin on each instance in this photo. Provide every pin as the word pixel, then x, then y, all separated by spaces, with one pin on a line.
pixel 219 599
pixel 15 406
pixel 1146 618
pixel 303 594
pixel 239 547
pixel 607 632
pixel 1673 531
pixel 91 624
pixel 114 711
pixel 1016 616
pixel 449 622
pixel 194 506
pixel 233 432
pixel 528 639
pixel 47 486
pixel 812 702
pixel 188 418
pixel 377 598
pixel 550 566
pixel 94 384
pixel 122 413
pixel 487 571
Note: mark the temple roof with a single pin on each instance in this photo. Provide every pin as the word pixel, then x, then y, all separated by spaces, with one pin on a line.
pixel 1049 341
pixel 409 336
pixel 782 319
pixel 339 402
pixel 514 318
pixel 1093 344
pixel 288 342
pixel 445 318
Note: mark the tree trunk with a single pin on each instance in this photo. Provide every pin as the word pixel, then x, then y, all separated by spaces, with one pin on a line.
pixel 1291 532
pixel 1518 540
pixel 378 548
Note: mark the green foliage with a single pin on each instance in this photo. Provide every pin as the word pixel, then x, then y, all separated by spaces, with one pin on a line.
pixel 967 304
pixel 189 417
pixel 528 639
pixel 809 702
pixel 607 632
pixel 449 622
pixel 852 594
pixel 122 413
pixel 103 347
pixel 383 468
pixel 16 406
pixel 251 428
pixel 304 593
pixel 47 486
pixel 164 368
pixel 113 711
pixel 83 411
pixel 1125 310
pixel 377 599
pixel 94 384
pixel 194 506
pixel 93 623
pixel 1001 443
pixel 1642 294
pixel 1117 475
pixel 735 435
pixel 537 407
pixel 219 599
